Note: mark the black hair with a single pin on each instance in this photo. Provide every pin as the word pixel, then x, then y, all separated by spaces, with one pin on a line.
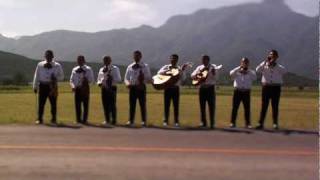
pixel 275 52
pixel 175 56
pixel 206 56
pixel 245 59
pixel 137 52
pixel 49 52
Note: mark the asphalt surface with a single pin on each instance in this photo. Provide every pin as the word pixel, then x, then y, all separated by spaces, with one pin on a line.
pixel 72 152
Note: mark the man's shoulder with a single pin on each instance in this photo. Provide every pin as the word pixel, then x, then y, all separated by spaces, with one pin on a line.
pixel 130 65
pixel 55 63
pixel 41 63
pixel 114 67
pixel 75 68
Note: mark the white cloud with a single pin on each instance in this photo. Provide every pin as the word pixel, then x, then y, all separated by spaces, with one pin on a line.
pixel 25 17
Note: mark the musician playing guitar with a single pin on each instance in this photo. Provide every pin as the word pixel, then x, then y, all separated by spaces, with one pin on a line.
pixel 46 75
pixel 205 76
pixel 108 77
pixel 136 77
pixel 172 92
pixel 80 80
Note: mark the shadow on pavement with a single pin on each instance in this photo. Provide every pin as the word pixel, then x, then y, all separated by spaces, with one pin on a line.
pixel 98 126
pixel 291 132
pixel 62 125
pixel 186 128
pixel 130 127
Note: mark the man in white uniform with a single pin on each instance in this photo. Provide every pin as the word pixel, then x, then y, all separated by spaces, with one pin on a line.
pixel 108 77
pixel 272 80
pixel 137 76
pixel 243 78
pixel 46 76
pixel 172 92
pixel 207 92
pixel 80 80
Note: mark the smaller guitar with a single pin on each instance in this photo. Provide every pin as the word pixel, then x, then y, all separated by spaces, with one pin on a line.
pixel 202 76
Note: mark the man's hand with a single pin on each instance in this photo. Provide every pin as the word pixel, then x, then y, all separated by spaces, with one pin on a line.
pixel 184 67
pixel 35 91
pixel 73 89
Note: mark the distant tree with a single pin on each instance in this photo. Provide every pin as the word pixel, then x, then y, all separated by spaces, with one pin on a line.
pixel 19 79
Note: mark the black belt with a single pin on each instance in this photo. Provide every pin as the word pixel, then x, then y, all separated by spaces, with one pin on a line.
pixel 207 86
pixel 272 85
pixel 242 90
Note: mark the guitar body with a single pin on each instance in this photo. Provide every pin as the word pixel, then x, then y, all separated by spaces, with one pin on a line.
pixel 164 81
pixel 200 78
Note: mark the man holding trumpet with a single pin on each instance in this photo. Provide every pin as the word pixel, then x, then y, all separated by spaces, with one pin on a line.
pixel 272 79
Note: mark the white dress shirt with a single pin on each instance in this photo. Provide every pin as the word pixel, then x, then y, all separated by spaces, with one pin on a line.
pixel 103 76
pixel 271 75
pixel 167 67
pixel 132 75
pixel 76 78
pixel 241 80
pixel 43 75
pixel 211 79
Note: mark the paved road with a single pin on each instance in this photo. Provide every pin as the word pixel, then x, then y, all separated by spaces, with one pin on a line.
pixel 42 152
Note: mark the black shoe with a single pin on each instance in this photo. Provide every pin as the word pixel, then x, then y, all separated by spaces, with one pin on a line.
pixel 275 126
pixel 232 125
pixel 212 127
pixel 260 127
pixel 143 124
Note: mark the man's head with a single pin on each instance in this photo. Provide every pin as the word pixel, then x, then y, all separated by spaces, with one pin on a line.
pixel 205 60
pixel 273 55
pixel 81 60
pixel 107 60
pixel 137 55
pixel 48 55
pixel 174 59
pixel 244 63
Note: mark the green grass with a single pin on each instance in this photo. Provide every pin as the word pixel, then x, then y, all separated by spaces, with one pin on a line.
pixel 298 109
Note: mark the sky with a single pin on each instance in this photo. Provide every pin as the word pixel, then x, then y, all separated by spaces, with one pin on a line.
pixel 29 17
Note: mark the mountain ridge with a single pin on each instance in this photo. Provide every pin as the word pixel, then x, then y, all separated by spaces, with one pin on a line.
pixel 225 33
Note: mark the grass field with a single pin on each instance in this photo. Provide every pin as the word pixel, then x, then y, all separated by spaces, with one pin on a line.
pixel 298 109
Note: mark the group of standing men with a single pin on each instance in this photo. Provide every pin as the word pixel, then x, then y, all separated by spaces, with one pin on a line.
pixel 49 72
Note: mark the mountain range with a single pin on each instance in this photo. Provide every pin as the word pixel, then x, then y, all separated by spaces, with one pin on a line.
pixel 226 34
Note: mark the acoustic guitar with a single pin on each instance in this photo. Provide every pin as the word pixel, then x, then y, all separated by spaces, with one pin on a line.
pixel 203 75
pixel 169 78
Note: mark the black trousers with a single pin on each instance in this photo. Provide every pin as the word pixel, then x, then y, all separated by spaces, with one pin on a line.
pixel 81 103
pixel 137 93
pixel 270 92
pixel 207 94
pixel 172 93
pixel 44 91
pixel 109 101
pixel 238 97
